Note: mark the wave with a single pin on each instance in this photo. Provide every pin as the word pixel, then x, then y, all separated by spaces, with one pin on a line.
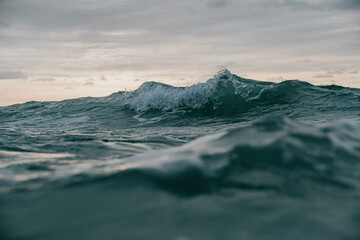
pixel 273 154
pixel 229 94
pixel 224 94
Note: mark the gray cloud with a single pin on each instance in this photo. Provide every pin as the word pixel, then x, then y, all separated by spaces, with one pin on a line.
pixel 323 75
pixel 348 4
pixel 304 61
pixel 218 3
pixel 86 37
pixel 330 73
pixel 291 4
pixel 12 75
pixel 43 79
pixel 336 71
pixel 89 82
pixel 311 5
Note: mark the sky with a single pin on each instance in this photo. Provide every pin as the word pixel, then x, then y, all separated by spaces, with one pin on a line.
pixel 52 50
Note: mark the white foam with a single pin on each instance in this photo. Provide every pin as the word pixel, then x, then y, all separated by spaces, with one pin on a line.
pixel 158 96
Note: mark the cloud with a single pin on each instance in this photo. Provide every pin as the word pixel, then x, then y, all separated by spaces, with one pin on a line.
pixel 330 73
pixel 218 3
pixel 304 61
pixel 12 75
pixel 94 37
pixel 348 4
pixel 319 5
pixel 336 71
pixel 43 79
pixel 88 83
pixel 323 75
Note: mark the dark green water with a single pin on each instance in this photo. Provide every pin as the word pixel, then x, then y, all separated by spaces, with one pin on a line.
pixel 231 158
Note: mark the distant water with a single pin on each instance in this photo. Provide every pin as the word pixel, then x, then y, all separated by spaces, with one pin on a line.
pixel 230 158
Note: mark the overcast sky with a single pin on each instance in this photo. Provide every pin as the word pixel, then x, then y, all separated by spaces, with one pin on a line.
pixel 51 49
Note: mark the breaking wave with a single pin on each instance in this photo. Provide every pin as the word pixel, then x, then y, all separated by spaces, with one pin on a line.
pixel 224 94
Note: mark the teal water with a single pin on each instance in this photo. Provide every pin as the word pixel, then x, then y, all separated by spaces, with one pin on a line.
pixel 231 158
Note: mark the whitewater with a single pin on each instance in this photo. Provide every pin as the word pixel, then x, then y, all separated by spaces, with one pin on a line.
pixel 230 158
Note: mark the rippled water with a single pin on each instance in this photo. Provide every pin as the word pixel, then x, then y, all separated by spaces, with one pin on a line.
pixel 230 158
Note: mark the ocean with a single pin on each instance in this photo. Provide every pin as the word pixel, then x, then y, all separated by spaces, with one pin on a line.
pixel 230 158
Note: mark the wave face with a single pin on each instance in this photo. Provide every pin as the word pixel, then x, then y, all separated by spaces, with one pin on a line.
pixel 231 158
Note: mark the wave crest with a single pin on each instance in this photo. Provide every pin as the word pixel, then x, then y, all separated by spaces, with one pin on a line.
pixel 227 93
pixel 224 92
